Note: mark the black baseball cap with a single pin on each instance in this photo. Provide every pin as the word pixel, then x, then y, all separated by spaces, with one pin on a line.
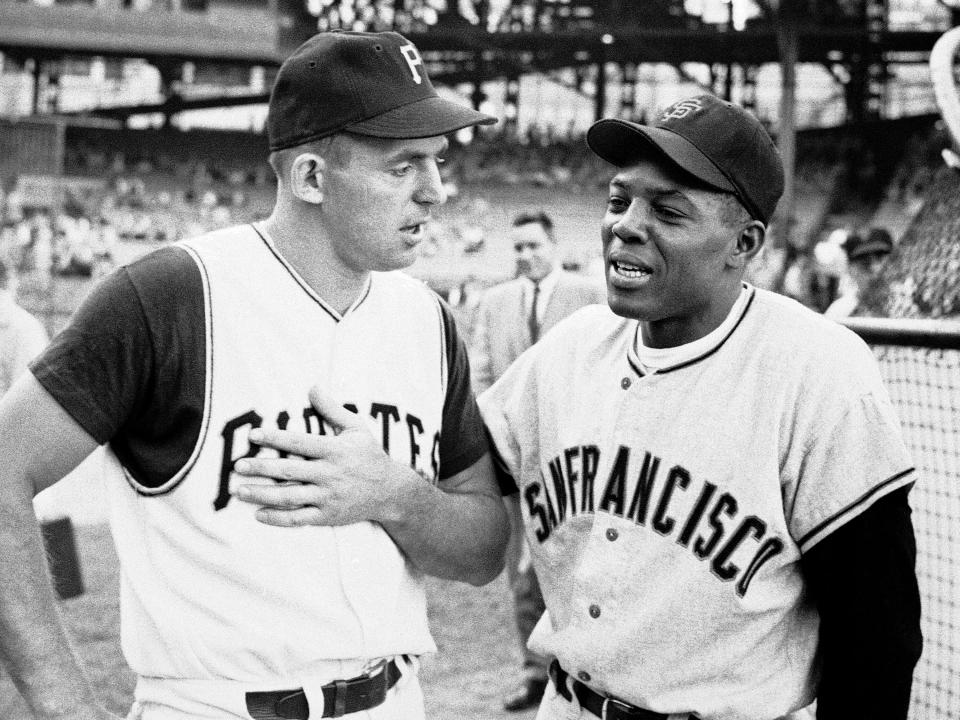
pixel 719 143
pixel 371 84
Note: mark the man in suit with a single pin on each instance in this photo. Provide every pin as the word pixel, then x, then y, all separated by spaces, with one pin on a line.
pixel 510 318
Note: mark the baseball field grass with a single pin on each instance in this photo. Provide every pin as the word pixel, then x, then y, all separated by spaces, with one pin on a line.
pixel 477 659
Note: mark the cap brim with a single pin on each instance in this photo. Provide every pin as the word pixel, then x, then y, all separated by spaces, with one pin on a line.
pixel 428 117
pixel 621 143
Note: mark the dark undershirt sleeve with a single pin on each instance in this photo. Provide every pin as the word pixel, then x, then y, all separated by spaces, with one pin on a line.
pixel 130 365
pixel 863 580
pixel 95 368
pixel 462 440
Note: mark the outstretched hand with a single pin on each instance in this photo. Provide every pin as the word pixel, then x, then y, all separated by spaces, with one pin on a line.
pixel 336 480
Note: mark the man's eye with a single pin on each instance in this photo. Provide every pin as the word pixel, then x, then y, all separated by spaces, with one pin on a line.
pixel 616 204
pixel 441 160
pixel 401 170
pixel 668 213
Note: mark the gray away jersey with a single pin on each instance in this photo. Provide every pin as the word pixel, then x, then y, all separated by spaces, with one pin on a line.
pixel 667 513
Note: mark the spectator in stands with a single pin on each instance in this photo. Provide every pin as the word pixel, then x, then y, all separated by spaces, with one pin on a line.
pixel 35 238
pixel 8 242
pixel 73 250
pixel 865 259
pixel 13 206
pixel 104 246
pixel 510 318
pixel 22 336
pixel 830 268
pixel 470 231
pixel 798 277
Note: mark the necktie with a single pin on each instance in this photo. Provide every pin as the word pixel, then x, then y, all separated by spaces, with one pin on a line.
pixel 533 322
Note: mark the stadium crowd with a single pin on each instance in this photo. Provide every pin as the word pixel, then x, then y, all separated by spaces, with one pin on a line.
pixel 151 193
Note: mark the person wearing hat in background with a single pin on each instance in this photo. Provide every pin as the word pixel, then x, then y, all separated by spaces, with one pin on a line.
pixel 866 257
pixel 188 363
pixel 712 481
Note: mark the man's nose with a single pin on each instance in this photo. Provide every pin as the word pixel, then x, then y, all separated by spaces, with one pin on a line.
pixel 430 190
pixel 631 225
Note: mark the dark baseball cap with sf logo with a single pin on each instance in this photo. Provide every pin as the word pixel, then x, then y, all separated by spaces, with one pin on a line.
pixel 719 143
pixel 371 84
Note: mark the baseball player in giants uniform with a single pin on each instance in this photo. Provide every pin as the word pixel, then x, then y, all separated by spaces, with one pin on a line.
pixel 184 362
pixel 712 479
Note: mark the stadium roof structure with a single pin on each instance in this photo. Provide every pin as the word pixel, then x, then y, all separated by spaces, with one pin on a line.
pixel 253 38
pixel 463 42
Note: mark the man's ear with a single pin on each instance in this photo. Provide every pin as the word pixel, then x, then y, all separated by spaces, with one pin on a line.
pixel 306 177
pixel 749 243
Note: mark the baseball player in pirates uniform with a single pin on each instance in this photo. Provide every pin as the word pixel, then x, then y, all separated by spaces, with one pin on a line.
pixel 712 479
pixel 184 362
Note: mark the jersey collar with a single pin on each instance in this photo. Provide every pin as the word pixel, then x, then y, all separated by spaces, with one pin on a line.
pixel 641 370
pixel 327 307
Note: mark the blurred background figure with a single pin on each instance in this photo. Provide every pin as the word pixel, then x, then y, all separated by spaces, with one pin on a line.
pixel 472 228
pixel 866 256
pixel 34 253
pixel 510 318
pixel 831 268
pixel 22 336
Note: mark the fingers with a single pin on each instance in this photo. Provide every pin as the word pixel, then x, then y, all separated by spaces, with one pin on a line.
pixel 306 445
pixel 291 469
pixel 297 517
pixel 310 445
pixel 337 416
pixel 285 497
pixel 293 505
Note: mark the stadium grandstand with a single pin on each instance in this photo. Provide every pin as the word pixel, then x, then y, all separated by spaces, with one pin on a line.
pixel 127 124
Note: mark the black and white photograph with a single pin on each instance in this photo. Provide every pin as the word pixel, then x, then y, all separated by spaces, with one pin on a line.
pixel 480 359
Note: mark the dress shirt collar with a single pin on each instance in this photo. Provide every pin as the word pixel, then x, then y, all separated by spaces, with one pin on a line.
pixel 547 285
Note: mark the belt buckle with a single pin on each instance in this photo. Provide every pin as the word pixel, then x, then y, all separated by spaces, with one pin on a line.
pixel 339 698
pixel 340 687
pixel 379 667
pixel 625 709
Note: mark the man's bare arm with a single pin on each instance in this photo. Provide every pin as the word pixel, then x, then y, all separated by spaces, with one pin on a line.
pixel 39 444
pixel 457 531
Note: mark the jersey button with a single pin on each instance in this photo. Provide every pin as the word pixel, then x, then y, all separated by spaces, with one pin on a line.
pixel 584 676
pixel 625 383
pixel 612 534
pixel 594 611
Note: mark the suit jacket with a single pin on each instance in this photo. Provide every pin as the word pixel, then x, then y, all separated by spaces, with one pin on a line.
pixel 501 332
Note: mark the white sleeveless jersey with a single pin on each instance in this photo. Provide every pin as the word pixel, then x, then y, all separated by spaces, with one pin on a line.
pixel 209 592
pixel 667 513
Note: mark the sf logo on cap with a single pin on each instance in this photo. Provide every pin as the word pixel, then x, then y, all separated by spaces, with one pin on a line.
pixel 681 109
pixel 413 59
